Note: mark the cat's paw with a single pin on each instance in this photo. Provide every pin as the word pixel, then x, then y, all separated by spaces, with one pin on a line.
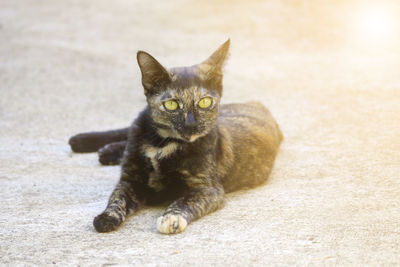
pixel 110 154
pixel 171 224
pixel 105 222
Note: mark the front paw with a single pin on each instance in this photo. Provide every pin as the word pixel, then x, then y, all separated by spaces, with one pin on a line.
pixel 105 222
pixel 171 224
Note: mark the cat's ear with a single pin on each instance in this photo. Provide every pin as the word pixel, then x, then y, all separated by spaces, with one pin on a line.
pixel 218 58
pixel 211 69
pixel 154 75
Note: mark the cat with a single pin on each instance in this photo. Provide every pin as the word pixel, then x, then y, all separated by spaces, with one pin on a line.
pixel 184 146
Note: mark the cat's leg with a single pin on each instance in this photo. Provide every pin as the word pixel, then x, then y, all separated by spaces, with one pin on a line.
pixel 123 202
pixel 197 203
pixel 93 141
pixel 111 154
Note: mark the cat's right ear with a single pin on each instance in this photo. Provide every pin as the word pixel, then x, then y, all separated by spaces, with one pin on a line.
pixel 154 75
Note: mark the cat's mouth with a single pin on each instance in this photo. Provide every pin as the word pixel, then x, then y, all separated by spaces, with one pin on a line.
pixel 191 134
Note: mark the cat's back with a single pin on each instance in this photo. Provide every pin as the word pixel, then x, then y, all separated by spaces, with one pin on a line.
pixel 249 142
pixel 249 117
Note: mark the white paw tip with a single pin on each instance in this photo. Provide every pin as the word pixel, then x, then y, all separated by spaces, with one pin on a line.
pixel 171 224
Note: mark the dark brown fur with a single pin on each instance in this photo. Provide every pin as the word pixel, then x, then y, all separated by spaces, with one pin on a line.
pixel 191 155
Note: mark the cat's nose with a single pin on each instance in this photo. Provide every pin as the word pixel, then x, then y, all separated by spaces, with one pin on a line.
pixel 190 120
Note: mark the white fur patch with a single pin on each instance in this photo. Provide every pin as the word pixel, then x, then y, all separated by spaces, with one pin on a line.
pixel 160 153
pixel 185 173
pixel 171 224
pixel 167 150
pixel 150 151
pixel 194 137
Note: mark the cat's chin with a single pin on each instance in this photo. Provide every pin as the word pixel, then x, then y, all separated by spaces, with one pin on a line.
pixel 175 135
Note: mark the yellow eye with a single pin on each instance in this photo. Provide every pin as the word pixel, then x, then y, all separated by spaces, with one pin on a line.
pixel 171 104
pixel 205 102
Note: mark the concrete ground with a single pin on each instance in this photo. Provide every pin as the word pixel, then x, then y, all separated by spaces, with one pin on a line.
pixel 70 66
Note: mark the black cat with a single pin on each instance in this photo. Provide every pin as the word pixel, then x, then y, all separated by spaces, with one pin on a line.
pixel 184 146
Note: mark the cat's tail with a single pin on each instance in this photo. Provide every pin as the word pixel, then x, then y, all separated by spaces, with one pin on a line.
pixel 93 141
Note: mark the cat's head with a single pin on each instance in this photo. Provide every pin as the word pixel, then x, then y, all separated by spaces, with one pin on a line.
pixel 184 102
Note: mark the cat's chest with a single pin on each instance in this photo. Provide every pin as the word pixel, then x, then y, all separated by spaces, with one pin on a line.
pixel 162 160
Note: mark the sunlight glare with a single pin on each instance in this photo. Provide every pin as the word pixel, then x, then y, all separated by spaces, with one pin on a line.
pixel 376 25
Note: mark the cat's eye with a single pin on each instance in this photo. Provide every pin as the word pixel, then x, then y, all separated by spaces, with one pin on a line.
pixel 171 105
pixel 205 102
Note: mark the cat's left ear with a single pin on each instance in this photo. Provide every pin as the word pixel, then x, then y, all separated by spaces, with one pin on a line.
pixel 211 69
pixel 217 59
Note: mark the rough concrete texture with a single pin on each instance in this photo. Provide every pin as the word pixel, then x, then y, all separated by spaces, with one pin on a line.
pixel 70 66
